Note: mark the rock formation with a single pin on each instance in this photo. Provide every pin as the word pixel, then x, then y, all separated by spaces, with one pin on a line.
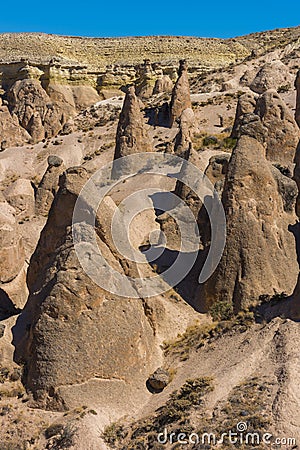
pixel 297 86
pixel 146 80
pixel 104 338
pixel 132 136
pixel 259 257
pixel 26 99
pixel 48 186
pixel 271 76
pixel 183 145
pixel 20 195
pixel 11 133
pixel 282 132
pixel 216 171
pixel 12 259
pixel 246 104
pixel 11 247
pixel 181 99
pixel 163 84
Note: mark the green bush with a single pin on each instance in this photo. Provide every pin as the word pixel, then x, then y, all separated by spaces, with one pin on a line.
pixel 221 311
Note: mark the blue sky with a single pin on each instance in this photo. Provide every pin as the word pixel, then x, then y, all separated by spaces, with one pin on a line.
pixel 137 18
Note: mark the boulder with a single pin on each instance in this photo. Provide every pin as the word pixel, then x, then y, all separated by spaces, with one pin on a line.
pixel 158 380
pixel 181 98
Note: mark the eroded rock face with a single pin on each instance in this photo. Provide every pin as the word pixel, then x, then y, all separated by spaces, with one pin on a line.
pixel 49 185
pixel 181 98
pixel 246 104
pixel 11 247
pixel 259 256
pixel 271 76
pixel 146 80
pixel 297 86
pixel 11 133
pixel 131 134
pixel 297 178
pixel 27 98
pixel 163 84
pixel 183 145
pixel 74 332
pixel 282 131
pixel 20 195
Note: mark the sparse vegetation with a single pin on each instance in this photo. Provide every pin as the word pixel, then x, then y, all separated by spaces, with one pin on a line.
pixel 221 311
pixel 174 414
pixel 198 335
pixel 284 88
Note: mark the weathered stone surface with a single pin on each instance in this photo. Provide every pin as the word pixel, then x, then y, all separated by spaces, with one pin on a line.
pixel 259 256
pixel 297 86
pixel 217 170
pixel 20 195
pixel 252 126
pixel 271 76
pixel 35 128
pixel 146 80
pixel 181 98
pixel 11 133
pixel 74 332
pixel 63 98
pixel 131 134
pixel 286 187
pixel 11 246
pixel 27 97
pixel 158 380
pixel 163 84
pixel 282 131
pixel 297 178
pixel 246 104
pixel 183 146
pixel 49 185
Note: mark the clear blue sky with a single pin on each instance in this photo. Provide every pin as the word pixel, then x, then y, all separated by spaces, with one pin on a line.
pixel 136 18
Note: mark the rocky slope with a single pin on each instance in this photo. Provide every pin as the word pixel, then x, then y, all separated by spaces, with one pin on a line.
pixel 78 357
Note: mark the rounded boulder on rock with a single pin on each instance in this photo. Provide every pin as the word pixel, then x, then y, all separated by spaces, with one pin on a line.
pixel 158 380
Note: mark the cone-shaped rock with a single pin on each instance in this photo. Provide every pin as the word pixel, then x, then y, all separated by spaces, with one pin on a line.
pixel 259 256
pixel 181 98
pixel 131 135
pixel 246 104
pixel 78 341
pixel 49 185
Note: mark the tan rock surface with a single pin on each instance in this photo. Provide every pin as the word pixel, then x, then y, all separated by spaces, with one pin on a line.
pixel 181 99
pixel 259 257
pixel 282 132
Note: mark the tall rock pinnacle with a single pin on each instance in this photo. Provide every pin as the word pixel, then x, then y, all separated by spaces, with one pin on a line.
pixel 181 98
